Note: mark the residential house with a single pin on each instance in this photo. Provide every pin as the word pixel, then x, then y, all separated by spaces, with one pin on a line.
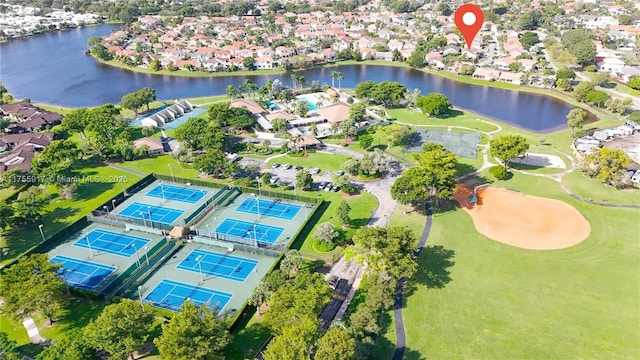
pixel 486 74
pixel 513 78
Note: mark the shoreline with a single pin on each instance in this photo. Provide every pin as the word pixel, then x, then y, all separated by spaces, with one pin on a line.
pixel 557 95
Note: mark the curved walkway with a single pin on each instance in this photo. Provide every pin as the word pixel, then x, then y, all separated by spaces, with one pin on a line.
pixel 401 341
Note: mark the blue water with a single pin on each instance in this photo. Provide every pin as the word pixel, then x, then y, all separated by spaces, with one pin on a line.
pixel 62 74
pixel 312 106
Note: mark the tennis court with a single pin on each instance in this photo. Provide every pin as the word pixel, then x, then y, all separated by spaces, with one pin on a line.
pixel 178 193
pixel 269 208
pixel 111 242
pixel 171 294
pixel 220 265
pixel 262 234
pixel 151 212
pixel 80 273
pixel 463 144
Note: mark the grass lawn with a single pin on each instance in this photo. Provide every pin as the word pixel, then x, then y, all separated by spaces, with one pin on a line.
pixel 362 207
pixel 203 101
pixel 326 162
pixel 477 298
pixel 160 165
pixel 594 189
pixel 106 182
pixel 247 341
pixel 80 312
pixel 463 119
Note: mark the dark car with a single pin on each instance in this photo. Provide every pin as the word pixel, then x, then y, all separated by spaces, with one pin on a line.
pixel 275 166
pixel 286 166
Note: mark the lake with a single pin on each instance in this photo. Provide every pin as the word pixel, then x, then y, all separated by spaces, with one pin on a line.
pixel 53 68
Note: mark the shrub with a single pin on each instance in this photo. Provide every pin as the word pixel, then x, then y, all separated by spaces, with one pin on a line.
pixel 499 172
pixel 323 246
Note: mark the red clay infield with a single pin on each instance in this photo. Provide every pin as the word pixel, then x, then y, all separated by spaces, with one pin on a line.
pixel 525 221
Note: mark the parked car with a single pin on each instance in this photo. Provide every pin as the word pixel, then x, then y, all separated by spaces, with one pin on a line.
pixel 328 187
pixel 275 166
pixel 340 172
pixel 286 166
pixel 322 185
pixel 274 180
pixel 313 171
pixel 335 189
pixel 299 167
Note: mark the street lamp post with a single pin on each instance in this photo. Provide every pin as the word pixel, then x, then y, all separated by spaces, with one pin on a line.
pixel 89 246
pixel 146 254
pixel 171 169
pixel 255 235
pixel 144 221
pixel 106 210
pixel 115 213
pixel 140 295
pixel 208 230
pixel 149 212
pixel 41 232
pixel 198 260
pixel 164 200
pixel 257 277
pixel 135 249
pixel 215 227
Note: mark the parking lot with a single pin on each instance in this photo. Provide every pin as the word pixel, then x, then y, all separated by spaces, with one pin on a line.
pixel 286 174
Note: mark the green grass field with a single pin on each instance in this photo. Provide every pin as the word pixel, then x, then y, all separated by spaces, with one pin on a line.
pixel 477 298
pixel 106 183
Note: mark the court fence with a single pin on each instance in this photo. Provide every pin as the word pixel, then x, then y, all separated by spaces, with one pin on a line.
pixel 247 247
pixel 133 270
pixel 117 220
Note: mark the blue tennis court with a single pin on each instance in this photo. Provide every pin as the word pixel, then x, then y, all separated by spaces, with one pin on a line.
pixel 262 234
pixel 112 242
pixel 269 208
pixel 178 193
pixel 171 294
pixel 220 265
pixel 80 273
pixel 155 213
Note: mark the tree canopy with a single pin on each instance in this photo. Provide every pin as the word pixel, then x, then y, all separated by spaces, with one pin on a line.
pixel 608 165
pixel 32 285
pixel 507 147
pixel 434 104
pixel 388 93
pixel 389 250
pixel 336 344
pixel 121 329
pixel 575 119
pixel 435 172
pixel 193 333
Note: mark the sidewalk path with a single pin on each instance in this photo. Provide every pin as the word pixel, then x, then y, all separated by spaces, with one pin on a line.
pixel 401 341
pixel 33 332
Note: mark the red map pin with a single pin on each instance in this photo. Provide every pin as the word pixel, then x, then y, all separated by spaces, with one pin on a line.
pixel 469 19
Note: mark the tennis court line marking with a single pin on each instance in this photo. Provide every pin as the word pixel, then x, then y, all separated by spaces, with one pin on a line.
pixel 240 261
pixel 78 263
pixel 176 284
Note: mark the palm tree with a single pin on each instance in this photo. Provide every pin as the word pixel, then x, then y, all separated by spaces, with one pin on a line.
pixel 339 77
pixel 231 91
pixel 334 75
pixel 314 129
pixel 247 85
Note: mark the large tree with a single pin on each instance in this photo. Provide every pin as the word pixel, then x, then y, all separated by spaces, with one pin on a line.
pixel 32 285
pixel 336 344
pixel 304 295
pixel 389 250
pixel 608 165
pixel 304 180
pixel 344 209
pixel 8 348
pixel 326 232
pixel 295 341
pixel 575 119
pixel 56 161
pixel 121 329
pixel 132 101
pixel 193 333
pixel 507 147
pixel 70 347
pixel 31 204
pixel 434 104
